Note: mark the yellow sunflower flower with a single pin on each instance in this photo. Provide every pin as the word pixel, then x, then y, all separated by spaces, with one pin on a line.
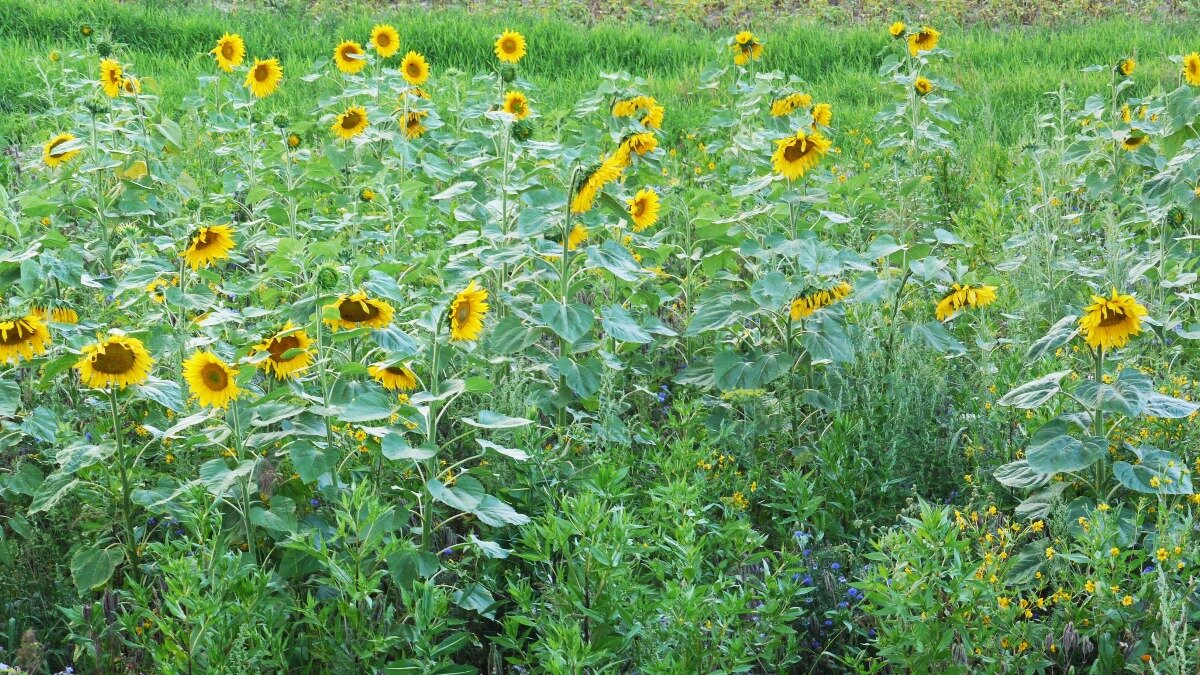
pixel 394 377
pixel 349 57
pixel 156 290
pixel 264 77
pixel 229 52
pixel 653 119
pixel 386 40
pixel 59 314
pixel 357 310
pixel 808 304
pixel 210 379
pixel 1133 142
pixel 114 361
pixel 923 40
pixel 111 77
pixel 1191 69
pixel 287 351
pixel 516 104
pixel 640 143
pixel 414 126
pixel 632 106
pixel 1108 323
pixel 964 295
pixel 1126 67
pixel 414 68
pixel 606 172
pixel 923 85
pixel 798 154
pixel 208 245
pixel 25 337
pixel 896 29
pixel 643 209
pixel 822 114
pixel 350 123
pixel 746 48
pixel 53 153
pixel 788 104
pixel 467 312
pixel 510 46
pixel 577 237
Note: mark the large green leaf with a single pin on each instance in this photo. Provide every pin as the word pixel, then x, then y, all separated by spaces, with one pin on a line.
pixel 1034 393
pixel 94 566
pixel 570 322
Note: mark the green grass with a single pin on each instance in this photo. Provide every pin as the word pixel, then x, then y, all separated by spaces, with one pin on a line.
pixel 1005 74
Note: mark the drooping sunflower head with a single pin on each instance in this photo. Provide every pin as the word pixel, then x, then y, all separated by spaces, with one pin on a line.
pixel 1126 67
pixel 786 105
pixel 114 361
pixel 577 237
pixel 896 30
pixel 210 379
pixel 964 295
pixel 414 68
pixel 1108 323
pixel 1191 69
pixel 414 126
pixel 229 52
pixel 264 77
pixel 639 143
pixel 349 57
pixel 1133 141
pixel 510 46
pixel 808 303
pixel 643 209
pixel 746 48
pixel 208 245
pixel 594 180
pixel 350 123
pixel 60 149
pixel 386 39
pixel 922 85
pixel 822 114
pixel 394 377
pixel 516 104
pixel 157 290
pixel 631 106
pixel 923 40
pixel 467 312
pixel 23 337
pixel 111 77
pixel 800 153
pixel 287 352
pixel 653 119
pixel 358 310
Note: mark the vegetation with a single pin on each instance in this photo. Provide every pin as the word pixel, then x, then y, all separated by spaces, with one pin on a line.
pixel 438 344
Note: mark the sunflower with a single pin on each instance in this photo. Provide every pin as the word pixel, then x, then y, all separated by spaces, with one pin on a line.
pixel 293 140
pixel 1126 67
pixel 923 41
pixel 577 236
pixel 114 361
pixel 156 290
pixel 896 29
pixel 798 154
pixel 210 379
pixel 414 68
pixel 643 209
pixel 350 123
pixel 63 315
pixel 639 144
pixel 923 85
pixel 653 118
pixel 413 126
pixel 631 106
pixel 807 304
pixel 1126 114
pixel 131 86
pixel 510 46
pixel 394 377
pixel 349 57
pixel 1108 323
pixel 788 104
pixel 287 352
pixel 385 39
pixel 264 77
pixel 110 77
pixel 24 337
pixel 358 310
pixel 367 195
pixel 208 245
pixel 53 154
pixel 964 295
pixel 1133 142
pixel 516 104
pixel 606 172
pixel 229 52
pixel 822 114
pixel 746 48
pixel 467 312
pixel 1191 68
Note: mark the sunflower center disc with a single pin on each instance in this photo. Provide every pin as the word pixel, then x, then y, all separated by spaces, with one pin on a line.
pixel 117 359
pixel 357 311
pixel 215 376
pixel 280 346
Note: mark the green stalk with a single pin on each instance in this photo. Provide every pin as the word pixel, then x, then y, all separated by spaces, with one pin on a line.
pixel 123 469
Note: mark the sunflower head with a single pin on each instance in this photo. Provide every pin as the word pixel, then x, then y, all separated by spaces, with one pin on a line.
pixel 923 40
pixel 210 379
pixel 809 303
pixel 350 123
pixel 593 180
pixel 746 48
pixel 23 337
pixel 349 57
pixel 264 77
pixel 60 149
pixel 394 377
pixel 922 85
pixel 287 352
pixel 1191 69
pixel 467 312
pixel 414 126
pixel 111 78
pixel 962 296
pixel 516 104
pixel 414 69
pixel 385 39
pixel 358 310
pixel 822 114
pixel 786 105
pixel 639 143
pixel 896 30
pixel 1108 323
pixel 522 130
pixel 1133 141
pixel 229 52
pixel 643 209
pixel 798 154
pixel 208 245
pixel 114 361
pixel 1126 67
pixel 510 46
pixel 577 236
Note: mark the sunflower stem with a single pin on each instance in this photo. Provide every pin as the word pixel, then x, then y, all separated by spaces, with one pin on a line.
pixel 123 470
pixel 431 441
pixel 236 427
pixel 1098 415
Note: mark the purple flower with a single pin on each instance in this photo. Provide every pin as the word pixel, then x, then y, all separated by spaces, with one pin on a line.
pixel 835 567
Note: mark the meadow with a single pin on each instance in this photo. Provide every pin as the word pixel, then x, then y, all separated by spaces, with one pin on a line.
pixel 456 341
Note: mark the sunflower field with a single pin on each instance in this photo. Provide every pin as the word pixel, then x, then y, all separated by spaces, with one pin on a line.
pixel 439 374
